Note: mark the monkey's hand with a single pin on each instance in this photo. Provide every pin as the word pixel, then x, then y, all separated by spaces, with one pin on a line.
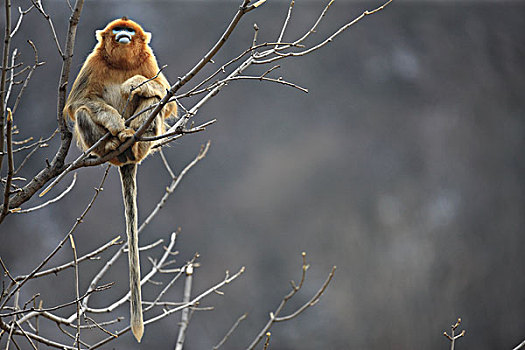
pixel 114 142
pixel 139 85
pixel 125 134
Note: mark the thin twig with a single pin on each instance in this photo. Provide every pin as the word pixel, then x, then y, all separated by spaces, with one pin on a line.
pixel 56 270
pixel 26 158
pixel 28 77
pixel 99 325
pixel 23 142
pixel 520 346
pixel 77 290
pixel 36 337
pixel 33 312
pixel 255 33
pixel 288 16
pixel 22 14
pixel 267 342
pixel 40 8
pixel 12 82
pixel 179 132
pixel 195 90
pixel 149 246
pixel 56 199
pixel 166 164
pixel 157 301
pixel 69 335
pixel 40 142
pixel 6 271
pixel 327 40
pixel 212 93
pixel 263 78
pixel 15 305
pixel 453 337
pixel 295 288
pixel 230 332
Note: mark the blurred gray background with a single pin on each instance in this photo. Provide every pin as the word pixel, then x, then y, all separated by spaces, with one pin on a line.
pixel 401 166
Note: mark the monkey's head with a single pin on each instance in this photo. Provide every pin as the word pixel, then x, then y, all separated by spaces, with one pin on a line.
pixel 123 43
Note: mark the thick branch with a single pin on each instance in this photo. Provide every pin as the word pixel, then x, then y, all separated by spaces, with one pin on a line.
pixel 5 58
pixel 10 165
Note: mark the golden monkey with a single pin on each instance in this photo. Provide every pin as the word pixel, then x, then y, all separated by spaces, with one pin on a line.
pixel 99 102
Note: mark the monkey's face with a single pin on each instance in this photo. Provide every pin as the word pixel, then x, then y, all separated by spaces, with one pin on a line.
pixel 123 35
pixel 124 43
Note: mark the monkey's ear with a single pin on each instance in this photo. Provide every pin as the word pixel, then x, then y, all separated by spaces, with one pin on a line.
pixel 98 35
pixel 148 37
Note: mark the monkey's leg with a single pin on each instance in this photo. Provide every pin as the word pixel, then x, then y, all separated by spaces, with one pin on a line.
pixel 129 193
pixel 89 132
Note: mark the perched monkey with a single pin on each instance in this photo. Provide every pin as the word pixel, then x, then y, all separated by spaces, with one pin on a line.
pixel 121 64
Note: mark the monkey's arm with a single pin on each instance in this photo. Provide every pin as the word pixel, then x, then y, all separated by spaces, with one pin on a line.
pixel 106 116
pixel 142 86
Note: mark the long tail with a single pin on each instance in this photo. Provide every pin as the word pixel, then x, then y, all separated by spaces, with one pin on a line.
pixel 129 193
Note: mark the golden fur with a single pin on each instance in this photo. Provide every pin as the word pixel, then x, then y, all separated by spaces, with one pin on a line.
pixel 102 87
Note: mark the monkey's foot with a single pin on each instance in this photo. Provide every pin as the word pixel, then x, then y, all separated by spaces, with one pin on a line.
pixel 128 154
pixel 111 145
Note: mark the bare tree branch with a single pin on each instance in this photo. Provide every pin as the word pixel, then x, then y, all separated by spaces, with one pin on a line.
pixel 41 310
pixel 10 165
pixel 453 337
pixel 520 346
pixel 28 77
pixel 295 288
pixel 91 255
pixel 77 290
pixel 5 60
pixel 19 22
pixel 56 199
pixel 38 5
pixel 230 332
pixel 185 318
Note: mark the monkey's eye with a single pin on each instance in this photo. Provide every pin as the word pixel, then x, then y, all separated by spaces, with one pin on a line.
pixel 120 29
